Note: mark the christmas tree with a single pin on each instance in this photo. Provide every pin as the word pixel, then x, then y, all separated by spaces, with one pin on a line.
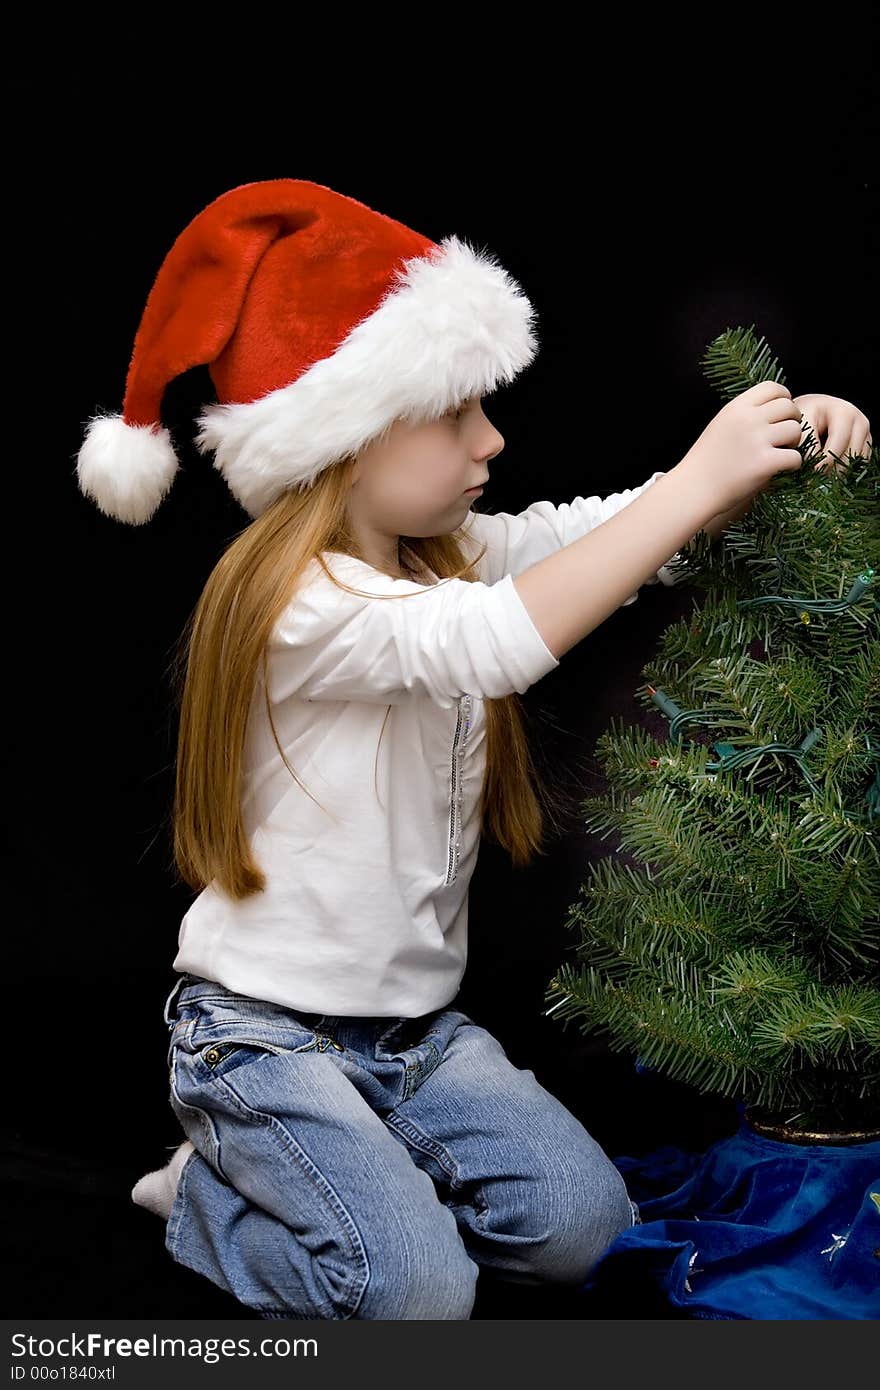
pixel 732 941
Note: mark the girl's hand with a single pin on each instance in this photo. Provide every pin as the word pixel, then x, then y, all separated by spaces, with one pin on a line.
pixel 838 428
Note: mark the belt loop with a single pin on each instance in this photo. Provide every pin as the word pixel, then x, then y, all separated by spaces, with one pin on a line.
pixel 172 998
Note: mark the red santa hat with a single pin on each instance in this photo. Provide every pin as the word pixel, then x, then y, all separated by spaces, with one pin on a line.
pixel 321 322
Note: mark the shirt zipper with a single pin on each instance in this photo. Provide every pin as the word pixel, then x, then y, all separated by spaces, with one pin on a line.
pixel 462 726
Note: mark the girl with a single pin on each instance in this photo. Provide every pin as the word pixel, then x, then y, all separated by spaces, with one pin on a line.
pixel 356 1146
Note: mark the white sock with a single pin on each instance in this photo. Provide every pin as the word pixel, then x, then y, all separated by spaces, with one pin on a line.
pixel 156 1191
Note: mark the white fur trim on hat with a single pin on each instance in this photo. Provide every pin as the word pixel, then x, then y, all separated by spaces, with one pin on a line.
pixel 126 469
pixel 453 325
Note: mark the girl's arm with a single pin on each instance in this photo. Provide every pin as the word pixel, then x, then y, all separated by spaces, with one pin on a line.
pixel 383 640
pixel 720 522
pixel 515 540
pixel 571 592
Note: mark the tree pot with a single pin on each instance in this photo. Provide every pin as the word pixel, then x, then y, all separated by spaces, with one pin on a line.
pixel 763 1121
pixel 763 1225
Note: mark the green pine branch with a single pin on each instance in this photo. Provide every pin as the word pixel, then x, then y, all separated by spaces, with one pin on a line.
pixel 741 951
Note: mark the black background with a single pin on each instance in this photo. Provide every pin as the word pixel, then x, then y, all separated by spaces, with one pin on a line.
pixel 642 214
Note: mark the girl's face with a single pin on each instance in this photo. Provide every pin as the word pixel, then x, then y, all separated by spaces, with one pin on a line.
pixel 415 482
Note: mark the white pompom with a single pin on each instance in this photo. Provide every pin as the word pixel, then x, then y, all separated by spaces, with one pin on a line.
pixel 126 469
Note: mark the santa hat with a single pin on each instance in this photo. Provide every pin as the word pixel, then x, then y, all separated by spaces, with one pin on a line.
pixel 321 322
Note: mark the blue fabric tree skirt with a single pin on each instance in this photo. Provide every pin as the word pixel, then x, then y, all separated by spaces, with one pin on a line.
pixel 754 1228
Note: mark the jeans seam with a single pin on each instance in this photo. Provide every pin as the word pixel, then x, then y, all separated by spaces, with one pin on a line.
pixel 425 1144
pixel 211 1139
pixel 173 1225
pixel 289 1145
pixel 172 1235
pixel 180 1033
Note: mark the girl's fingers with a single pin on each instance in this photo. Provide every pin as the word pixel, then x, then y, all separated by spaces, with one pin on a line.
pixel 837 444
pixel 856 442
pixel 856 448
pixel 860 444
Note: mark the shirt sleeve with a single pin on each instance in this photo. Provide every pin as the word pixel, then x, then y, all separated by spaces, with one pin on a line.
pixel 516 541
pixel 445 640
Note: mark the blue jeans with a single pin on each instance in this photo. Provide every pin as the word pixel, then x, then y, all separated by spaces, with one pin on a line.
pixel 367 1167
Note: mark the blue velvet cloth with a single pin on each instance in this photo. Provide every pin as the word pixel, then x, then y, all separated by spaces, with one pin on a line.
pixel 754 1228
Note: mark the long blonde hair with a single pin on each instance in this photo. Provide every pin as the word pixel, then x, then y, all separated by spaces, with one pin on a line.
pixel 214 673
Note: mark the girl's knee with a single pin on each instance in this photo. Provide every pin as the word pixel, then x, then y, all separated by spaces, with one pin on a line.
pixel 428 1276
pixel 564 1217
pixel 446 1292
pixel 596 1210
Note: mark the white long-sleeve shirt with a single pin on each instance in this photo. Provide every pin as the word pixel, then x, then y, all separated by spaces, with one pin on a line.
pixel 365 908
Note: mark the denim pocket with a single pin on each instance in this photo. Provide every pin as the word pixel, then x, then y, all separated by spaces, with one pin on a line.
pixel 223 1057
pixel 221 1026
